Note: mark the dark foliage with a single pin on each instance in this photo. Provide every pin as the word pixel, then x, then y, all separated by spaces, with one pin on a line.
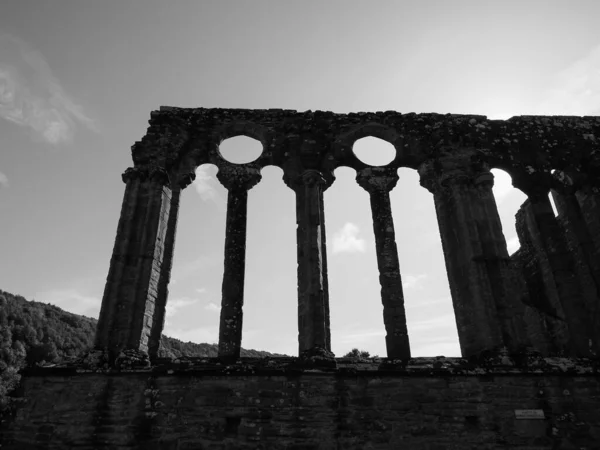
pixel 356 353
pixel 37 333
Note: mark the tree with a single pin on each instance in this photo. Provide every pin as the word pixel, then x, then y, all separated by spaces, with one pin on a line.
pixel 356 353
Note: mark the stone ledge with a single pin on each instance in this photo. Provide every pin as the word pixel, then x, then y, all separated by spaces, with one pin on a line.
pixel 424 366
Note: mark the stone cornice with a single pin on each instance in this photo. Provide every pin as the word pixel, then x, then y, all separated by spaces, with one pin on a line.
pixel 492 365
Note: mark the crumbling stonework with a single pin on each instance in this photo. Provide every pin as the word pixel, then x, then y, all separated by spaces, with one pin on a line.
pixel 544 298
pixel 528 323
pixel 276 404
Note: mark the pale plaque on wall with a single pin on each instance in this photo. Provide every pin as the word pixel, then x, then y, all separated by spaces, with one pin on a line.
pixel 529 414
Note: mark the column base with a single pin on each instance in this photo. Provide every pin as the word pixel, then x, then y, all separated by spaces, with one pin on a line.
pixel 318 358
pixel 132 359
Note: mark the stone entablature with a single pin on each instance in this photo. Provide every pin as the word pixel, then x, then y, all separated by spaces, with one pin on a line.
pixel 544 297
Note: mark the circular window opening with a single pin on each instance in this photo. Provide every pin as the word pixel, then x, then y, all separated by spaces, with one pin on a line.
pixel 374 151
pixel 240 149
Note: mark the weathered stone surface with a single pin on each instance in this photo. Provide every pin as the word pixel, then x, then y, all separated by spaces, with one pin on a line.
pixel 378 182
pixel 545 296
pixel 238 181
pixel 313 299
pixel 430 403
pixel 487 314
pixel 131 288
pixel 553 283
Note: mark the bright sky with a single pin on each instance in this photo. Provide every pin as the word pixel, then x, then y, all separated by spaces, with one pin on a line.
pixel 78 80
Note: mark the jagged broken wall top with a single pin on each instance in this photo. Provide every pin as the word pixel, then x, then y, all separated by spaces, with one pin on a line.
pixel 527 147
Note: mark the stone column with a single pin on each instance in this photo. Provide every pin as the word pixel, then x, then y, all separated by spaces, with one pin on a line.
pixel 128 304
pixel 238 180
pixel 588 198
pixel 158 322
pixel 378 182
pixel 562 298
pixel 586 266
pixel 313 305
pixel 477 261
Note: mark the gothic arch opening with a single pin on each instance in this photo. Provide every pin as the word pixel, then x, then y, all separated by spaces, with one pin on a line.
pixel 356 312
pixel 240 149
pixel 271 296
pixel 194 301
pixel 430 316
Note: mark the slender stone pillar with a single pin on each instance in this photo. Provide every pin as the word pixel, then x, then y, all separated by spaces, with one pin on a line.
pixel 378 182
pixel 324 263
pixel 477 262
pixel 131 288
pixel 313 305
pixel 158 321
pixel 238 180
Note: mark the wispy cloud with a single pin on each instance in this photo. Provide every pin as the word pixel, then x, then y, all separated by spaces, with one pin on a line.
pixel 205 184
pixel 3 180
pixel 576 89
pixel 346 240
pixel 212 307
pixel 183 271
pixel 31 96
pixel 359 337
pixel 433 325
pixel 71 300
pixel 175 304
pixel 413 281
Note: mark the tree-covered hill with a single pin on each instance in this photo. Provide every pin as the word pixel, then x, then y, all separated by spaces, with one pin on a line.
pixel 33 332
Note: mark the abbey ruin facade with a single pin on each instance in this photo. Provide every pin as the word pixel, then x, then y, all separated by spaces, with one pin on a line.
pixel 544 298
pixel 528 323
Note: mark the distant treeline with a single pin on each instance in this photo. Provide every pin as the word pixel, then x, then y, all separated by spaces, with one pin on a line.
pixel 33 333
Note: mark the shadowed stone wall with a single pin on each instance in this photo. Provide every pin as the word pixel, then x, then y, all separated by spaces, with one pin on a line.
pixel 429 404
pixel 528 323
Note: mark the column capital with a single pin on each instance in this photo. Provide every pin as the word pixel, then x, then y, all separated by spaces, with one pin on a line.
pixel 310 178
pixel 535 183
pixel 239 178
pixel 132 173
pixel 571 181
pixel 186 179
pixel 143 173
pixel 377 179
pixel 442 174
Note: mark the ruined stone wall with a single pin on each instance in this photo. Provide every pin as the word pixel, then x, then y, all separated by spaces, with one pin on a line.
pixel 543 300
pixel 428 404
pixel 546 299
